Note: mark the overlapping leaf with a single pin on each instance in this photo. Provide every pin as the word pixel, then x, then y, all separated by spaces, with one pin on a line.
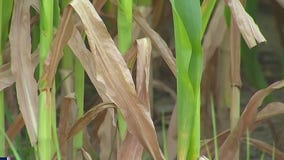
pixel 246 24
pixel 142 86
pixel 22 67
pixel 112 79
pixel 230 146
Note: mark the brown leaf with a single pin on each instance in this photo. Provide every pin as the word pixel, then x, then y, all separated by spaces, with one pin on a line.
pixel 67 116
pixel 22 67
pixel 15 128
pixel 107 136
pixel 208 146
pixel 88 117
pixel 109 74
pixel 159 43
pixel 143 70
pixel 215 33
pixel 267 148
pixel 270 110
pixel 62 36
pixel 247 119
pixel 85 154
pixel 142 86
pixel 130 143
pixel 246 24
pixel 6 76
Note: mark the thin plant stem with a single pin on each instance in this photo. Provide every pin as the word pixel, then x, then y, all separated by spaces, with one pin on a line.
pixel 214 129
pixel 248 145
pixel 165 146
pixel 235 77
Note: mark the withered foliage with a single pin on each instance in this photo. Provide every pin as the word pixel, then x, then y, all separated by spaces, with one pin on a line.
pixel 125 83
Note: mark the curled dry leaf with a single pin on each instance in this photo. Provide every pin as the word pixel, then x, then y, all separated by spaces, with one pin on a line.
pixel 207 147
pixel 247 119
pixel 267 148
pixel 159 43
pixel 270 110
pixel 130 142
pixel 22 67
pixel 111 77
pixel 88 117
pixel 246 24
pixel 85 154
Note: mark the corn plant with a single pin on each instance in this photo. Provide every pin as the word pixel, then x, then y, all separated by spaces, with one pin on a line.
pixel 189 69
pixel 59 112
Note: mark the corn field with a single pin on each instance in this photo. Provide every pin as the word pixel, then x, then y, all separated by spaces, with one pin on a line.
pixel 140 79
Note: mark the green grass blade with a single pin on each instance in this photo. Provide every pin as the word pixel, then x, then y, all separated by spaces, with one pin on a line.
pixel 124 27
pixel 187 28
pixel 124 24
pixel 214 129
pixel 206 9
pixel 79 92
pixel 16 154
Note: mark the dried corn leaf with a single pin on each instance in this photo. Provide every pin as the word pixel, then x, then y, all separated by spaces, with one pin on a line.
pixel 112 79
pixel 246 24
pixel 143 70
pixel 85 154
pixel 107 136
pixel 67 116
pixel 62 36
pixel 159 43
pixel 247 119
pixel 142 86
pixel 267 148
pixel 88 117
pixel 207 148
pixel 15 128
pixel 22 67
pixel 270 110
pixel 6 76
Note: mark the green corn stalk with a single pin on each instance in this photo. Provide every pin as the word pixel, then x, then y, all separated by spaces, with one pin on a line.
pixel 56 17
pixel 188 29
pixel 5 14
pixel 124 24
pixel 45 100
